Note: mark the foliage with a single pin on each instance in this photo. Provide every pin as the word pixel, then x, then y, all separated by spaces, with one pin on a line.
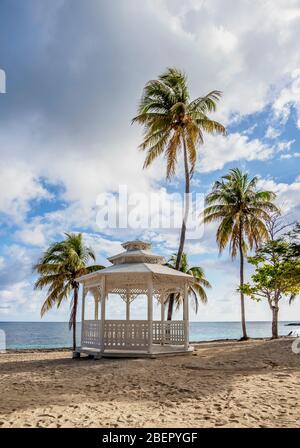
pixel 170 119
pixel 294 239
pixel 240 209
pixel 197 289
pixel 277 272
pixel 172 122
pixel 58 268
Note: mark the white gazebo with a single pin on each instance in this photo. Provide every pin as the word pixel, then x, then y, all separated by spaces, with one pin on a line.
pixel 135 272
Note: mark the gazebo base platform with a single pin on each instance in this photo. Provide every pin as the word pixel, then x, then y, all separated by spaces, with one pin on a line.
pixel 157 350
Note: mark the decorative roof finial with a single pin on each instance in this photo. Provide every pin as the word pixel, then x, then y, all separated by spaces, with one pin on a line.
pixel 136 245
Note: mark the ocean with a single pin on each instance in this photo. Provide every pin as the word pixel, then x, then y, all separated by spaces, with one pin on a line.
pixel 21 335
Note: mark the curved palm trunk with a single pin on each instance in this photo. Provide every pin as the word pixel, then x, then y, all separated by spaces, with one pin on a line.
pixel 74 314
pixel 183 227
pixel 243 318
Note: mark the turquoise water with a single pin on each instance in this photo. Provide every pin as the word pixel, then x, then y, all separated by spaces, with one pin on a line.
pixel 56 334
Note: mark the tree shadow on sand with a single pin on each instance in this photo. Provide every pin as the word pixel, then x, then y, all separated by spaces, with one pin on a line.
pixel 211 370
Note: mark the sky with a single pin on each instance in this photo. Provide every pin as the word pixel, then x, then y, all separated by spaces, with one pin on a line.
pixel 75 71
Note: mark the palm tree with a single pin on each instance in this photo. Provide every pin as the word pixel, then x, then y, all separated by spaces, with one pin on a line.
pixel 172 122
pixel 242 212
pixel 58 269
pixel 197 289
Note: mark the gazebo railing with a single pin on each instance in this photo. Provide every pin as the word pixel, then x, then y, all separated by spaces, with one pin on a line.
pixel 91 333
pixel 131 335
pixel 169 332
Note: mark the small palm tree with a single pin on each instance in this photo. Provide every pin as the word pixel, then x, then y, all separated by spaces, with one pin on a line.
pixel 172 122
pixel 197 289
pixel 242 212
pixel 58 268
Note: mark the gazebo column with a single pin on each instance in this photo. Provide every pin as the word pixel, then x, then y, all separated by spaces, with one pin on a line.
pixel 128 306
pixel 150 314
pixel 186 315
pixel 127 318
pixel 103 303
pixel 76 354
pixel 84 292
pixel 96 308
pixel 162 311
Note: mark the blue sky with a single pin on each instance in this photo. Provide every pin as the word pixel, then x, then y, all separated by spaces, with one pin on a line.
pixel 75 71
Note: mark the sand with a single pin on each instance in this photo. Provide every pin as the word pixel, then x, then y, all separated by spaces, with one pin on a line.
pixel 223 384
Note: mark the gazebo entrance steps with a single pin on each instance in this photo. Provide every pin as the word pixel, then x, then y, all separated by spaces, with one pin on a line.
pixel 157 350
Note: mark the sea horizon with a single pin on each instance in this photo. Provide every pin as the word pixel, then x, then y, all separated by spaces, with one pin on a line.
pixel 39 334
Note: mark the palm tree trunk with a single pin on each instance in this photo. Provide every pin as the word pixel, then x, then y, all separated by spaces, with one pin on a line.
pixel 245 336
pixel 183 227
pixel 74 313
pixel 275 310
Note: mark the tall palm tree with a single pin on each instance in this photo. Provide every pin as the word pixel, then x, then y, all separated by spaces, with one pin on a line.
pixel 172 122
pixel 197 289
pixel 242 212
pixel 58 269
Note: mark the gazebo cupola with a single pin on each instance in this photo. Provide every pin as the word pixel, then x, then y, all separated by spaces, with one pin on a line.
pixel 135 272
pixel 136 252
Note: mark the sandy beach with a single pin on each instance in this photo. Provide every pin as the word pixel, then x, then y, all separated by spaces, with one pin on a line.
pixel 223 384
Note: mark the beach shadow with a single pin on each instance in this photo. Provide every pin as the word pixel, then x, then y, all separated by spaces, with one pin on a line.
pixel 211 370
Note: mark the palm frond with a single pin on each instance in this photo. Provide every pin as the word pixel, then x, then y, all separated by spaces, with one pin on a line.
pixel 171 152
pixel 206 103
pixel 236 204
pixel 164 109
pixel 196 291
pixel 60 265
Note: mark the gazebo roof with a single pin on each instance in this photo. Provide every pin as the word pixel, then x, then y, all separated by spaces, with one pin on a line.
pixel 136 252
pixel 137 259
pixel 135 268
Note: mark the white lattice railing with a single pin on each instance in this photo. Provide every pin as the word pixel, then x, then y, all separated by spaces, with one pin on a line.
pixel 169 332
pixel 126 334
pixel 132 335
pixel 91 333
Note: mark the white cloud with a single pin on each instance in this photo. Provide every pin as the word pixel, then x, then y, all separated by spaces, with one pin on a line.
pixel 250 130
pixel 288 195
pixel 290 156
pixel 84 142
pixel 66 117
pixel 272 132
pixel 218 151
pixel 285 146
pixel 16 265
pixel 19 186
pixel 288 97
pixel 32 234
pixel 20 302
pixel 247 56
pixel 17 298
pixel 88 151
